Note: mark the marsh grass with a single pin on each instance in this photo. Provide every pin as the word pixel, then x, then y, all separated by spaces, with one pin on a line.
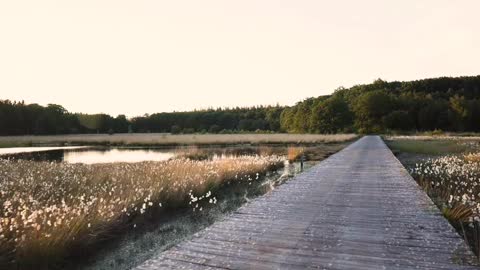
pixel 160 139
pixel 472 157
pixel 459 213
pixel 294 153
pixel 192 153
pixel 427 147
pixel 452 183
pixel 447 167
pixel 49 210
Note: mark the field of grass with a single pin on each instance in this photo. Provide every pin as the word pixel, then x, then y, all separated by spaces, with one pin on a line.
pixel 50 210
pixel 169 139
pixel 427 147
pixel 443 136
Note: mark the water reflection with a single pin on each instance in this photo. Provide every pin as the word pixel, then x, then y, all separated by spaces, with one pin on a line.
pixel 116 155
pixel 51 155
pixel 94 155
pixel 102 154
pixel 25 150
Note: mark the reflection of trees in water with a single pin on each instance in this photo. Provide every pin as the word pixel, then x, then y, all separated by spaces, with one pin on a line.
pixel 53 155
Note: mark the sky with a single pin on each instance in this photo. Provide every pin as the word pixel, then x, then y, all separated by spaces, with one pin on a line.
pixel 147 56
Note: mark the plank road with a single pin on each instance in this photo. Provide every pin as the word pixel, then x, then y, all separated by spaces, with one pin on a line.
pixel 358 209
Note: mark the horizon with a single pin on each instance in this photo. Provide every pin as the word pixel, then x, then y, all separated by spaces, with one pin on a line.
pixel 117 57
pixel 234 107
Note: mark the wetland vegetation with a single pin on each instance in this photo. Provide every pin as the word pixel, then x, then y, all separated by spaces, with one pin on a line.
pixel 448 170
pixel 53 210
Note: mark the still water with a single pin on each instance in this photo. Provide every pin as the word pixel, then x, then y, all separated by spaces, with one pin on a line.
pixel 116 155
pixel 94 155
pixel 91 155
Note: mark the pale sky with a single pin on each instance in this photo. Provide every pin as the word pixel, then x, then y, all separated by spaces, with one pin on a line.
pixel 137 57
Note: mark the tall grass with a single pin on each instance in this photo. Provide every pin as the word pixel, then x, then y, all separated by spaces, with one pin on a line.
pixel 294 153
pixel 48 209
pixel 453 183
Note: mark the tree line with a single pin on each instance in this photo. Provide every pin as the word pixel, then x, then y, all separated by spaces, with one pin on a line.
pixel 448 104
pixel 18 118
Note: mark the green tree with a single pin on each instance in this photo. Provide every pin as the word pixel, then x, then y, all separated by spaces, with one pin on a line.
pixel 214 129
pixel 176 129
pixel 331 116
pixel 369 110
pixel 398 120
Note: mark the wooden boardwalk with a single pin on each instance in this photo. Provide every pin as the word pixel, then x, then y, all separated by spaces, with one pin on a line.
pixel 358 209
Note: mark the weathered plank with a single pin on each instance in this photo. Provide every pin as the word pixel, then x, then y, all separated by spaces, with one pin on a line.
pixel 358 209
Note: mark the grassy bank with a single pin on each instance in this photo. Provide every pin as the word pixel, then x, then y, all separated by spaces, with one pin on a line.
pixel 427 147
pixel 49 210
pixel 155 139
pixel 448 171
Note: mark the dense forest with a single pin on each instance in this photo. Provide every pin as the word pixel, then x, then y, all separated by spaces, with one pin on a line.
pixel 448 104
pixel 18 118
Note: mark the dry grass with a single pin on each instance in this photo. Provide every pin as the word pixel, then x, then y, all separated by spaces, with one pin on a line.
pixel 192 152
pixel 168 139
pixel 293 153
pixel 48 209
pixel 472 157
pixel 459 213
pixel 453 137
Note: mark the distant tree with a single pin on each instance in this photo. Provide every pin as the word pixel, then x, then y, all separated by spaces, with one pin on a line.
pixel 121 124
pixel 331 116
pixel 245 124
pixel 286 119
pixel 433 115
pixel 369 110
pixel 188 130
pixel 301 124
pixel 214 129
pixel 176 129
pixel 398 120
pixel 459 112
pixel 272 117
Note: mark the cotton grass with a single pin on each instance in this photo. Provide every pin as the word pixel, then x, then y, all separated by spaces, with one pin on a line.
pixel 47 209
pixel 456 179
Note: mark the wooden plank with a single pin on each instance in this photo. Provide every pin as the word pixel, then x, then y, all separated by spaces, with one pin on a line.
pixel 358 209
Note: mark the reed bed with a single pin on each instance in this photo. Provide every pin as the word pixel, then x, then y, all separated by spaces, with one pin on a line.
pixel 49 209
pixel 294 153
